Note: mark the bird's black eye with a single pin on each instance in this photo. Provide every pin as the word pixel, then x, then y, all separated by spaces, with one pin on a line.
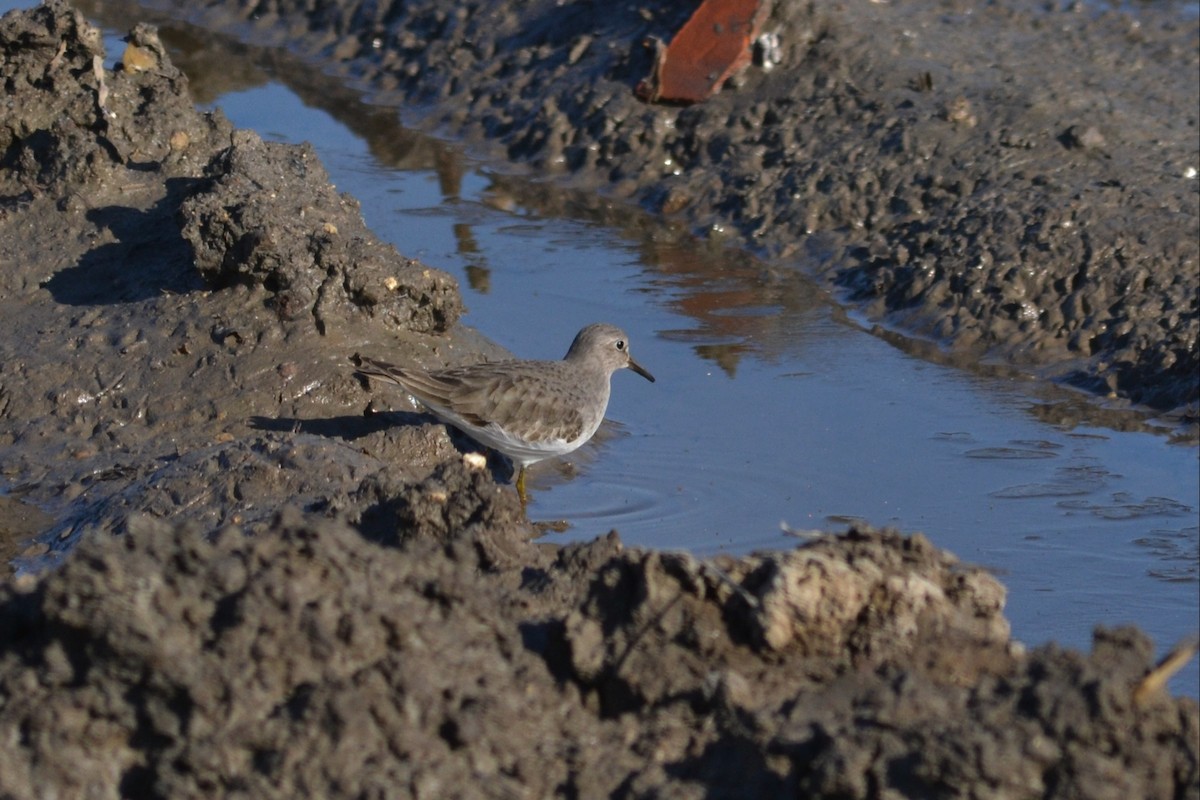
pixel 620 344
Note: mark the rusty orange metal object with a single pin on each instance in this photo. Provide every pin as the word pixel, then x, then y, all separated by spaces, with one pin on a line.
pixel 711 46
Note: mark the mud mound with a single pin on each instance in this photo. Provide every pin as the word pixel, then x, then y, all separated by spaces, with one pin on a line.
pixel 262 215
pixel 457 502
pixel 1036 733
pixel 302 662
pixel 306 660
pixel 271 218
pixel 70 122
pixel 172 289
pixel 830 607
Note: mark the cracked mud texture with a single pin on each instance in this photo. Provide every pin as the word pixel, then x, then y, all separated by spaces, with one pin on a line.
pixel 257 590
pixel 1015 181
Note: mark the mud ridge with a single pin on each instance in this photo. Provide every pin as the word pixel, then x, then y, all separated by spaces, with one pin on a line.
pixel 308 661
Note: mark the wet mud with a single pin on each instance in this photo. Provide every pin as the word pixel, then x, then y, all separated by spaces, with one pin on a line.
pixel 256 585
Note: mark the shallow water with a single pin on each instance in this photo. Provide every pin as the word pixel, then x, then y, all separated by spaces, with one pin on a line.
pixel 772 411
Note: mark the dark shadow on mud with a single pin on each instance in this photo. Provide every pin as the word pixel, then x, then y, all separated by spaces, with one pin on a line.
pixel 149 258
pixel 734 765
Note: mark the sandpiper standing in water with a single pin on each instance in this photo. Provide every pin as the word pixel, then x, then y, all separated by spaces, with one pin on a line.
pixel 527 410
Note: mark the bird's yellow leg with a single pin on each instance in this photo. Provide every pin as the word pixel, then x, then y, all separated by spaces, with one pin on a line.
pixel 521 487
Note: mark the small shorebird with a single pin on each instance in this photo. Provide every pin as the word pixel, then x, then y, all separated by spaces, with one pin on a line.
pixel 527 410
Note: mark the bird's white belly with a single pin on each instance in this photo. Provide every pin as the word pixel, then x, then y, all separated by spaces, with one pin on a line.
pixel 524 452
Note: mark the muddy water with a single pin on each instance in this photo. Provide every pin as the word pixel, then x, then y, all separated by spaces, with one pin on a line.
pixel 772 410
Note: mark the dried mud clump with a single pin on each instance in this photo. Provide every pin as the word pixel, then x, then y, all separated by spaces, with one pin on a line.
pixel 456 504
pixel 306 660
pixel 836 605
pixel 270 217
pixel 1042 731
pixel 253 214
pixel 69 122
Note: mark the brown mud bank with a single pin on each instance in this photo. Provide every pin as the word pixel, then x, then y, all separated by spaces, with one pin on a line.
pixel 1015 181
pixel 463 661
pixel 180 300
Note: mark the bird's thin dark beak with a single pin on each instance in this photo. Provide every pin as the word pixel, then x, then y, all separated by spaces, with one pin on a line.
pixel 640 370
